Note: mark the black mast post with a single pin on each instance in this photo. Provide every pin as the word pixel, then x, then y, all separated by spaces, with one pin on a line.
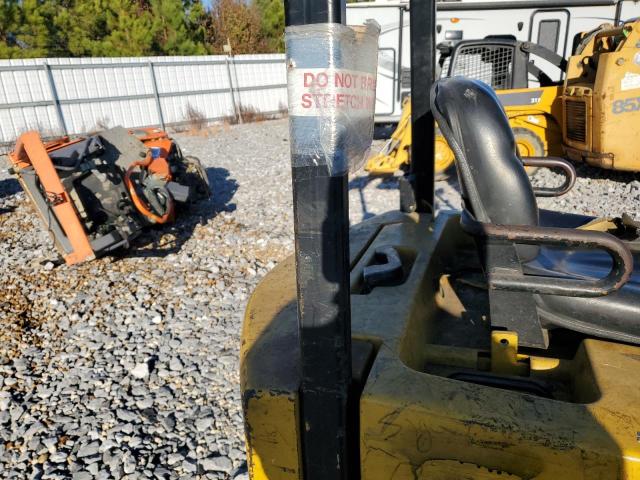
pixel 321 221
pixel 423 55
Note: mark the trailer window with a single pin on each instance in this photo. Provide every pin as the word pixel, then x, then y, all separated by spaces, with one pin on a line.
pixel 549 34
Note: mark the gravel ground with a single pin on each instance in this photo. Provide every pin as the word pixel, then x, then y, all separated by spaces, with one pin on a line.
pixel 126 367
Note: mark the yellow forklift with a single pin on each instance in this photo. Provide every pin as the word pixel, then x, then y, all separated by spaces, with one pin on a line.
pixel 501 342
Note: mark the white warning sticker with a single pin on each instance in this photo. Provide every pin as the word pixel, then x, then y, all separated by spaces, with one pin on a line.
pixel 325 91
pixel 630 81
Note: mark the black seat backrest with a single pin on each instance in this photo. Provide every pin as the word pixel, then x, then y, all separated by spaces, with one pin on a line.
pixel 495 186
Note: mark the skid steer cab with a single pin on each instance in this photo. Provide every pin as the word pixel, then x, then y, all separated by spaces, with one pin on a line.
pixel 498 342
pixel 95 194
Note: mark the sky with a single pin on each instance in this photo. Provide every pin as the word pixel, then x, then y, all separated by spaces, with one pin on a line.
pixel 207 3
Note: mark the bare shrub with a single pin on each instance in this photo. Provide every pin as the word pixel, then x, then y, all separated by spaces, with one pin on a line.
pixel 103 123
pixel 283 110
pixel 196 120
pixel 251 114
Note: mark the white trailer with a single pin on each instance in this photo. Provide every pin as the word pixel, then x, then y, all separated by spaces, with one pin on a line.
pixel 551 23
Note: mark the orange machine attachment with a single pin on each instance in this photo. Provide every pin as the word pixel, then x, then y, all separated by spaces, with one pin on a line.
pixel 156 138
pixel 94 194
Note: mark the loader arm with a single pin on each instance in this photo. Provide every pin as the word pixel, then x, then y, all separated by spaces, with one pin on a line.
pixel 396 151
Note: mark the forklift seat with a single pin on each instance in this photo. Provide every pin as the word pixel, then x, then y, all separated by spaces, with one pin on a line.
pixel 496 190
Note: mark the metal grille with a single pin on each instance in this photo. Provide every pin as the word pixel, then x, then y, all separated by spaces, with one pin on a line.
pixel 445 67
pixel 492 65
pixel 576 118
pixel 405 77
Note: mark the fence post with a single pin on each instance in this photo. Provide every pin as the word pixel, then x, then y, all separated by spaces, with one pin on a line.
pixel 154 84
pixel 233 97
pixel 55 98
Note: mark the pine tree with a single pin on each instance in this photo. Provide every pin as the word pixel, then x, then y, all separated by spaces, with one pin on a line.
pixel 9 10
pixel 26 28
pixel 107 28
pixel 173 27
pixel 272 23
pixel 196 20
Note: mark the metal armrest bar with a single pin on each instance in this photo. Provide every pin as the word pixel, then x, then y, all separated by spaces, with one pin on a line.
pixel 500 279
pixel 553 162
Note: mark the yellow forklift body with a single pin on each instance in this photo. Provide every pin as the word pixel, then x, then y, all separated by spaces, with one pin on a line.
pixel 269 377
pixel 415 348
pixel 602 100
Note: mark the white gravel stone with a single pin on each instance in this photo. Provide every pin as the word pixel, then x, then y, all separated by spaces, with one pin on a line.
pixel 141 370
pixel 5 400
pixel 217 464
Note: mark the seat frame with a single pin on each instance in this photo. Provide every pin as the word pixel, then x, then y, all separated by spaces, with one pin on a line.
pixel 512 294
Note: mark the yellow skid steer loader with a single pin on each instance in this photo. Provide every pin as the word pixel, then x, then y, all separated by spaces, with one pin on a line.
pixel 586 119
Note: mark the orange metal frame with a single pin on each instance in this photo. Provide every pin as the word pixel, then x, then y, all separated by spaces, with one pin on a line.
pixel 30 151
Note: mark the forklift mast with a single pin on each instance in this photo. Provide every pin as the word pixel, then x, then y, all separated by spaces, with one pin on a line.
pixel 423 62
pixel 321 222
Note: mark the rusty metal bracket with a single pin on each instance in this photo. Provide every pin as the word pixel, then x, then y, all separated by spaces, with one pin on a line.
pixel 502 279
pixel 553 162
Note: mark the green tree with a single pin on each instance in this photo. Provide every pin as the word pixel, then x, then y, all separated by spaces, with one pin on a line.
pixel 196 21
pixel 41 28
pixel 272 23
pixel 9 10
pixel 178 27
pixel 107 28
pixel 26 28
